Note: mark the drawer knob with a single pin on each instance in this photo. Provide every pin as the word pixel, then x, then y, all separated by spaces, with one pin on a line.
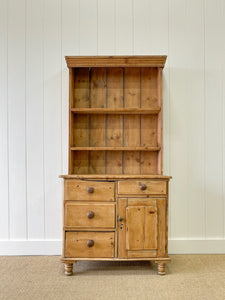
pixel 143 187
pixel 90 214
pixel 90 190
pixel 90 243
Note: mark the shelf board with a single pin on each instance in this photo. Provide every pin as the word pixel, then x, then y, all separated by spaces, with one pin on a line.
pixel 115 148
pixel 134 111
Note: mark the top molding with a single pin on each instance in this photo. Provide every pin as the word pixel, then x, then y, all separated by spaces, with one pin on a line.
pixel 116 61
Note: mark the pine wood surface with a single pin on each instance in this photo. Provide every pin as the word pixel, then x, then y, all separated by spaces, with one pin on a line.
pixel 76 215
pixel 76 244
pixel 115 195
pixel 116 61
pixel 134 187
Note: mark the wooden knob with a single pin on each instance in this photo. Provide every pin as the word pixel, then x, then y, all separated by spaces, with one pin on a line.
pixel 120 219
pixel 90 214
pixel 90 189
pixel 90 243
pixel 143 187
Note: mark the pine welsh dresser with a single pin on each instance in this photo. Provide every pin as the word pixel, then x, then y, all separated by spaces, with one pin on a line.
pixel 115 195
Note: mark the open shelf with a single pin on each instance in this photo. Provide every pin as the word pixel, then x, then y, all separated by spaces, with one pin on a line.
pixel 115 121
pixel 115 148
pixel 115 111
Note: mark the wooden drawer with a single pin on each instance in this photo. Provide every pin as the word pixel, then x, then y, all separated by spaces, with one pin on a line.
pixel 138 187
pixel 88 190
pixel 91 215
pixel 77 244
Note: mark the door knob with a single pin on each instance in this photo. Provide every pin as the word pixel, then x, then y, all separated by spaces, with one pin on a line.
pixel 120 219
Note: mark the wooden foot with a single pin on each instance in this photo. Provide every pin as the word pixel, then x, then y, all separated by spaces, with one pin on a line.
pixel 68 269
pixel 161 268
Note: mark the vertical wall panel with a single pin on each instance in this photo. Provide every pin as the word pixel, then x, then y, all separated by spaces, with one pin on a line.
pixel 4 229
pixel 178 118
pixel 52 118
pixel 151 27
pixel 34 99
pixel 106 27
pixel 194 116
pixel 214 54
pixel 17 118
pixel 124 27
pixel 88 27
pixel 70 46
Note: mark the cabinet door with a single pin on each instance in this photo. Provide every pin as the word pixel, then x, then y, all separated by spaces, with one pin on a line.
pixel 141 227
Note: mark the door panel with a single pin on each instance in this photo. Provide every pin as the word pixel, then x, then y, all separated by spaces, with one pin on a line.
pixel 141 227
pixel 135 232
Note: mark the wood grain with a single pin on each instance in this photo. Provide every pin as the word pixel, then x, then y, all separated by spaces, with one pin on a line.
pixel 133 187
pixel 76 244
pixel 119 61
pixel 76 215
pixel 114 136
pixel 77 190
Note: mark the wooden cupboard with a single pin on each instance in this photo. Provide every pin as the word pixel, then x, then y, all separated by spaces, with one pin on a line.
pixel 115 195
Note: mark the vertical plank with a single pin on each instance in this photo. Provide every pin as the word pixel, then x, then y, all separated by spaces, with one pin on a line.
pixel 161 227
pixel 150 35
pixel 80 130
pixel 17 119
pixel 124 27
pixel 149 162
pixel 213 119
pixel 149 130
pixel 98 122
pixel 132 123
pixel 4 172
pixel 149 87
pixel 194 91
pixel 70 46
pixel 34 113
pixel 179 101
pixel 150 241
pixel 135 217
pixel 122 205
pixel 81 88
pixel 88 27
pixel 52 118
pixel 114 122
pixel 80 162
pixel 106 27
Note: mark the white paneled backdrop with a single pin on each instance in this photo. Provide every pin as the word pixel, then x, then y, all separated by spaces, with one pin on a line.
pixel 35 35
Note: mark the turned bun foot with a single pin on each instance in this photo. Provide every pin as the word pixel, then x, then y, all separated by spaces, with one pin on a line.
pixel 161 268
pixel 68 269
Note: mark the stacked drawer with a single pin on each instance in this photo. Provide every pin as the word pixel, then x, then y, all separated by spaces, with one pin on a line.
pixel 143 187
pixel 89 218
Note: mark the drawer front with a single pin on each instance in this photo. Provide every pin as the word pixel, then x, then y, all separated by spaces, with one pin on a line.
pixel 89 244
pixel 89 215
pixel 138 187
pixel 88 190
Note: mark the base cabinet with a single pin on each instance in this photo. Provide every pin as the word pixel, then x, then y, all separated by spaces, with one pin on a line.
pixel 127 221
